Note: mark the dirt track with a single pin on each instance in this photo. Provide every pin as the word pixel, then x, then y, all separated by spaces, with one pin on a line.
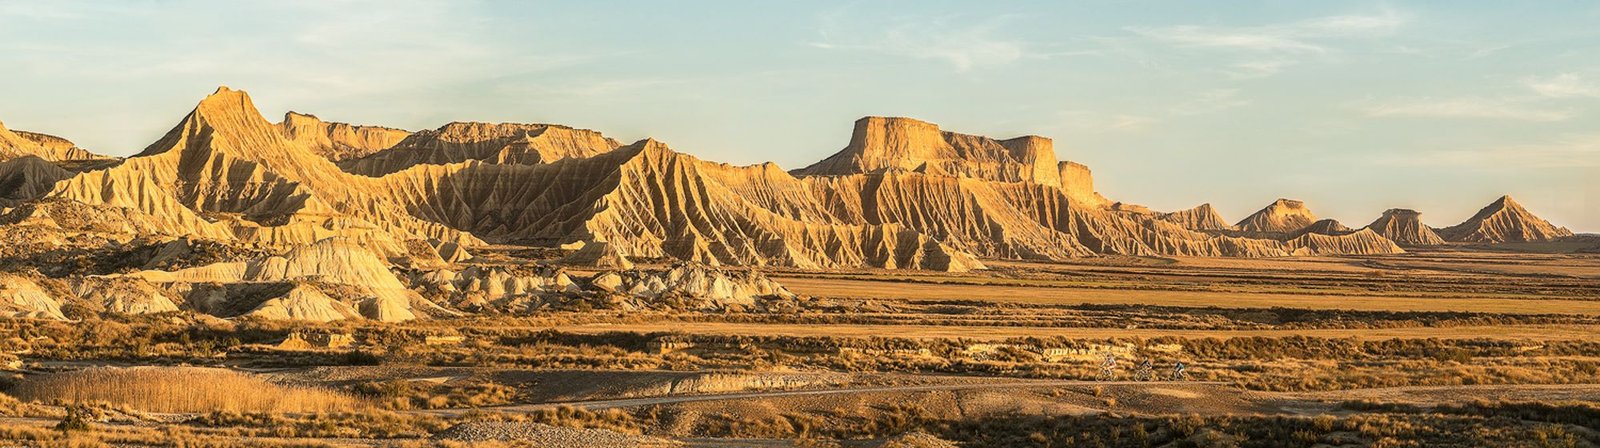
pixel 635 402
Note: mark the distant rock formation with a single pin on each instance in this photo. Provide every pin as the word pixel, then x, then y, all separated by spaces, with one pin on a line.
pixel 1282 216
pixel 1327 226
pixel 504 143
pixel 1200 218
pixel 1361 242
pixel 15 144
pixel 1405 228
pixel 904 144
pixel 1503 221
pixel 337 141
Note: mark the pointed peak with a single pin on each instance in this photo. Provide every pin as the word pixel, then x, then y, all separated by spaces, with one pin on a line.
pixel 1506 201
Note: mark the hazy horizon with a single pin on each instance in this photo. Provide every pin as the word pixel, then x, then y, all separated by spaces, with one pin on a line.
pixel 1352 108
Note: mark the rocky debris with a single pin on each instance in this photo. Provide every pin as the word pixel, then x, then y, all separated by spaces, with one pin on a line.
pixel 22 297
pixel 1281 217
pixel 338 141
pixel 1200 218
pixel 598 254
pixel 379 292
pixel 497 287
pixel 693 286
pixel 124 295
pixel 916 439
pixel 1503 221
pixel 1361 242
pixel 1405 228
pixel 542 435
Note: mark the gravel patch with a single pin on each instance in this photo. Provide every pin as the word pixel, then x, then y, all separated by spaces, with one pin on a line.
pixel 542 435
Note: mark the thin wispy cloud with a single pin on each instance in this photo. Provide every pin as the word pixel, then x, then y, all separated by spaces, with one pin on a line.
pixel 1465 107
pixel 964 44
pixel 1210 101
pixel 1575 151
pixel 1565 85
pixel 1304 36
pixel 1270 49
pixel 1076 121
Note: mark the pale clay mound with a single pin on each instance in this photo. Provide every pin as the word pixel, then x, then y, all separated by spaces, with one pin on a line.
pixel 1282 216
pixel 1405 227
pixel 21 297
pixel 1503 221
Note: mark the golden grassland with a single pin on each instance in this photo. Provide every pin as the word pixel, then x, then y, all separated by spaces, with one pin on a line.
pixel 180 389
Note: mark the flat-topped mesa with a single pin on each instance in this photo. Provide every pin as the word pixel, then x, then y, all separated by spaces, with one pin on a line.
pixel 503 143
pixel 338 141
pixel 17 143
pixel 1405 228
pixel 1503 221
pixel 904 144
pixel 1282 216
pixel 1201 218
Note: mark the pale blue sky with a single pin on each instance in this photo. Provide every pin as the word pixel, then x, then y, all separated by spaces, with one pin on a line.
pixel 1354 107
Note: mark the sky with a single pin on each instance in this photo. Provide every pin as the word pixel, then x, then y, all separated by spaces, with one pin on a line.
pixel 1354 107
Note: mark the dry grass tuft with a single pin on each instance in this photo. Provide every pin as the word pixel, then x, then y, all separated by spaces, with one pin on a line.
pixel 181 389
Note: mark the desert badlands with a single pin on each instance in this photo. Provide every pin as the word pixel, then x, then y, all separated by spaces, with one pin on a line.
pixel 240 282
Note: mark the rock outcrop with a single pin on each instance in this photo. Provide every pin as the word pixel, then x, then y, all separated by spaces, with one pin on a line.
pixel 1405 228
pixel 1281 217
pixel 1503 221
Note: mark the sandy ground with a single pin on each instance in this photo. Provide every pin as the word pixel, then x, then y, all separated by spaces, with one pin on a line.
pixel 852 288
pixel 1504 332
